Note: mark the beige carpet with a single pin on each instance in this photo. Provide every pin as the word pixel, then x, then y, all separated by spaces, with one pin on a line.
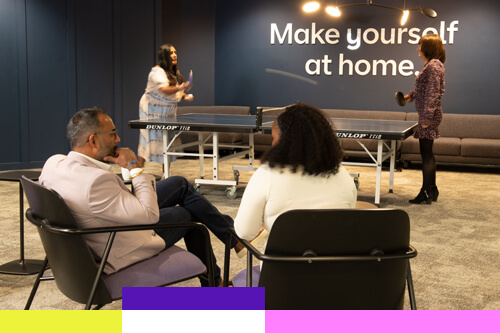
pixel 458 237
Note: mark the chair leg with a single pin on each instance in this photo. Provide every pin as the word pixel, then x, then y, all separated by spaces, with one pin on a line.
pixel 411 291
pixel 37 283
pixel 208 250
pixel 97 279
pixel 227 257
pixel 210 269
pixel 249 269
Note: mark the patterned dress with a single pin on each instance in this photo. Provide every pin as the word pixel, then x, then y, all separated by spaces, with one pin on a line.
pixel 156 104
pixel 429 87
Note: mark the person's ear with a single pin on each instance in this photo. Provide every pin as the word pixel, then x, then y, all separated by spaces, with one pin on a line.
pixel 92 141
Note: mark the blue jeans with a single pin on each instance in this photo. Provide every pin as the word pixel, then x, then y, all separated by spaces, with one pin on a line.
pixel 179 202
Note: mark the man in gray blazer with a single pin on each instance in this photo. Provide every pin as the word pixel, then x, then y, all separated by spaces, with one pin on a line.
pixel 98 197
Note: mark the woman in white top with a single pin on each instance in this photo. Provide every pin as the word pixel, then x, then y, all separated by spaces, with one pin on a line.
pixel 302 170
pixel 166 87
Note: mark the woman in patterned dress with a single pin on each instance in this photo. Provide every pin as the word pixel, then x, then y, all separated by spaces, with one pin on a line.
pixel 429 87
pixel 165 88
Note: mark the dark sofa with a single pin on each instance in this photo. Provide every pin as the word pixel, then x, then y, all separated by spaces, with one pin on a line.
pixel 465 139
pixel 350 146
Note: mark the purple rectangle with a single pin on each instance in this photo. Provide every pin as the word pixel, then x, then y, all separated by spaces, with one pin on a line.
pixel 185 298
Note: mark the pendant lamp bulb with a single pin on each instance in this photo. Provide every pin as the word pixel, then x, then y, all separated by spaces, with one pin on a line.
pixel 406 13
pixel 311 6
pixel 333 11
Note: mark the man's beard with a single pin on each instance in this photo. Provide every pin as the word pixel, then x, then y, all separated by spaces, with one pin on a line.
pixel 108 152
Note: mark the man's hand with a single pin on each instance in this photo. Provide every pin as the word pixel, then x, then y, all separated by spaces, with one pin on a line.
pixel 123 157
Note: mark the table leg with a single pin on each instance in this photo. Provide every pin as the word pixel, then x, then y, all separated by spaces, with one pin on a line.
pixel 166 165
pixel 379 171
pixel 201 151
pixel 215 155
pixel 393 163
pixel 252 152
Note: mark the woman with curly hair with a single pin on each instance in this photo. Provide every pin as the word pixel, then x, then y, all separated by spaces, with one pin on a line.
pixel 429 87
pixel 302 170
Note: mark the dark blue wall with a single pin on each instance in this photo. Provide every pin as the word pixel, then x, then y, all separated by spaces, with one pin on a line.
pixel 244 52
pixel 58 56
pixel 189 25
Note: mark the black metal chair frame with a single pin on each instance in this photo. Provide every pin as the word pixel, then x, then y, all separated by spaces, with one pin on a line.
pixel 21 266
pixel 310 258
pixel 45 225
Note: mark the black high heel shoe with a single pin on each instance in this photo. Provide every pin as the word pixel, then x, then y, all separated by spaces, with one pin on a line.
pixel 421 197
pixel 434 193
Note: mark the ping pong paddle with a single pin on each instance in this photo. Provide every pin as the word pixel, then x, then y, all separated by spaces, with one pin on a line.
pixel 400 98
pixel 190 79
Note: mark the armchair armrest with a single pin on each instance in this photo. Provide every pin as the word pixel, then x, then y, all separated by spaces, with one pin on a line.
pixel 44 224
pixel 307 256
pixel 251 250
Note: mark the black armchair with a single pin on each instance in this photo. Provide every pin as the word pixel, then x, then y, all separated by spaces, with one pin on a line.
pixel 333 259
pixel 74 268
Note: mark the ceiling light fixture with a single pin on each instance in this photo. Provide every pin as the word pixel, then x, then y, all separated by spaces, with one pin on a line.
pixel 334 10
pixel 406 13
pixel 311 6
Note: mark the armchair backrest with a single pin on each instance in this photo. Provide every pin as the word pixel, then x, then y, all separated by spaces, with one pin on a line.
pixel 70 259
pixel 327 283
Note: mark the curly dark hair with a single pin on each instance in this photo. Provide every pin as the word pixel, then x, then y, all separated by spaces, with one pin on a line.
pixel 307 142
pixel 165 62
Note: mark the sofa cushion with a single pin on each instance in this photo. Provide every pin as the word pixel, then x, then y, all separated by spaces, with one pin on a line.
pixel 214 109
pixel 410 146
pixel 447 159
pixel 365 114
pixel 260 139
pixel 464 138
pixel 442 146
pixel 473 147
pixel 466 125
pixel 472 126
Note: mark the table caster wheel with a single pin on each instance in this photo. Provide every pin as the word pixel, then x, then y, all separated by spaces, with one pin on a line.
pixel 231 193
pixel 356 182
pixel 197 187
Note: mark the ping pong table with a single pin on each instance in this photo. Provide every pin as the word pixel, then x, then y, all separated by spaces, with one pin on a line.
pixel 215 124
pixel 381 130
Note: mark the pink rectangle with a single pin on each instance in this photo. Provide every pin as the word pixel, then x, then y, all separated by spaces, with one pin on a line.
pixel 382 321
